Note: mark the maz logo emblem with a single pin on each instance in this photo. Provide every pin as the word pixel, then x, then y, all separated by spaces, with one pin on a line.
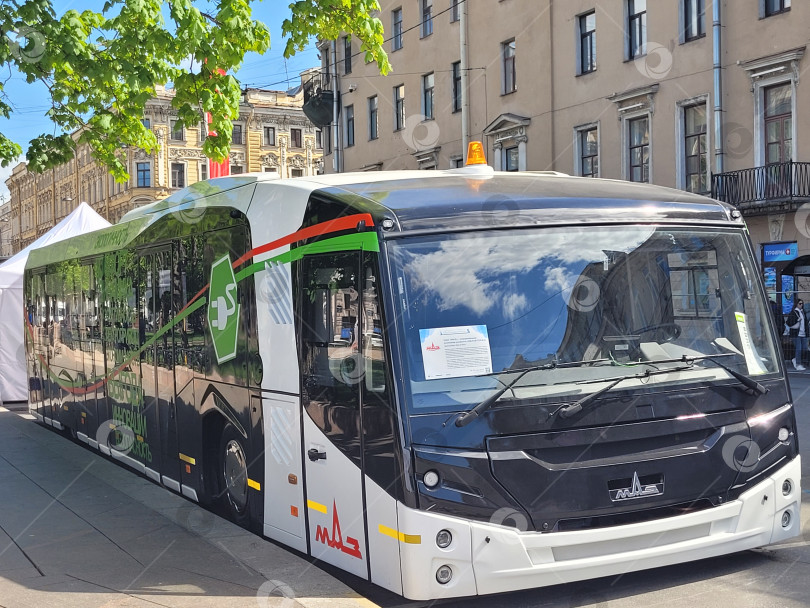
pixel 640 487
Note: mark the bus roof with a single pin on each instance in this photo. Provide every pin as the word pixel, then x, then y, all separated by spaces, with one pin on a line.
pixel 456 199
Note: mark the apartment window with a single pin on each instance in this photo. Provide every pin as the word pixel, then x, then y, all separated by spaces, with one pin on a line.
pixel 177 131
pixel 204 170
pixel 695 153
pixel 296 173
pixel 694 19
pixel 144 174
pixel 295 138
pixel 399 107
pixel 427 96
pixel 269 136
pixel 508 54
pixel 512 156
pixel 318 139
pixel 457 86
pixel 372 117
pixel 347 55
pixel 454 11
pixel 427 17
pixel 236 136
pixel 236 169
pixel 774 7
pixel 326 66
pixel 178 175
pixel 639 149
pixel 587 42
pixel 146 123
pixel 636 28
pixel 349 111
pixel 778 124
pixel 588 146
pixel 396 29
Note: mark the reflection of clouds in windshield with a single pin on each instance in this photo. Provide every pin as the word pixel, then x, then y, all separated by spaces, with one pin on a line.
pixel 513 305
pixel 559 280
pixel 459 270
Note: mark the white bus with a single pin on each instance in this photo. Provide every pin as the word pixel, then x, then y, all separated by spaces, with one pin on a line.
pixel 448 383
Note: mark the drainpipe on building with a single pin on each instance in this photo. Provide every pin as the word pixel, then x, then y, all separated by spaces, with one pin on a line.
pixel 465 81
pixel 718 86
pixel 337 158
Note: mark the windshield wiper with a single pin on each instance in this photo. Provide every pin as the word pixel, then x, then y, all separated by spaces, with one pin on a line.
pixel 566 411
pixel 748 381
pixel 470 415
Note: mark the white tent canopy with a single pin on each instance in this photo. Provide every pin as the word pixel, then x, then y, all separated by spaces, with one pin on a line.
pixel 13 375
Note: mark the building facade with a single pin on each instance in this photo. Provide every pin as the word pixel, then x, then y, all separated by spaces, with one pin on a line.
pixel 680 93
pixel 5 229
pixel 271 134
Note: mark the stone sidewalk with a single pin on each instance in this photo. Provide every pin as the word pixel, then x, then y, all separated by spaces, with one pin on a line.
pixel 79 530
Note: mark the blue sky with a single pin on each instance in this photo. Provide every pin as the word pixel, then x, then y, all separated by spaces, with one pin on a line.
pixel 270 70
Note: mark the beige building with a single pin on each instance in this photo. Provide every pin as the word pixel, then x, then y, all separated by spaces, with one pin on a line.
pixel 5 228
pixel 271 134
pixel 625 89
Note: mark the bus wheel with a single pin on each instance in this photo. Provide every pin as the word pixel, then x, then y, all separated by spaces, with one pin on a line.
pixel 233 469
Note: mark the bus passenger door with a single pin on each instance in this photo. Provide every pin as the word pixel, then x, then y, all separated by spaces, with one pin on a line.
pixel 158 367
pixel 330 361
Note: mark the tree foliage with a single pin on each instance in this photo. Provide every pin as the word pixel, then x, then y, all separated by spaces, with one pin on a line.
pixel 102 67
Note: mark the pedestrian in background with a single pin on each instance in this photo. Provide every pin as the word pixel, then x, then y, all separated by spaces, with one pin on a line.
pixel 797 323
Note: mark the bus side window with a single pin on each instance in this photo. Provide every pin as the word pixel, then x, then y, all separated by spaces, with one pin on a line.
pixel 373 346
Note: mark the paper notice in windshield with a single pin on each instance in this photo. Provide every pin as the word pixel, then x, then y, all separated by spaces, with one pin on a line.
pixel 455 352
pixel 752 359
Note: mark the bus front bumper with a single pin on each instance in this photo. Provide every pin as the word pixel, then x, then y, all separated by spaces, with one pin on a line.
pixel 487 558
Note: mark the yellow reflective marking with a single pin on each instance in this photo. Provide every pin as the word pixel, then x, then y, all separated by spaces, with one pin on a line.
pixel 254 484
pixel 187 459
pixel 316 506
pixel 411 539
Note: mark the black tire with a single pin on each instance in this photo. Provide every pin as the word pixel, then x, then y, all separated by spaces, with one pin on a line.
pixel 233 477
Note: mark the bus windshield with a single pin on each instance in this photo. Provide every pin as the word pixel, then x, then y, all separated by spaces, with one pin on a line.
pixel 580 307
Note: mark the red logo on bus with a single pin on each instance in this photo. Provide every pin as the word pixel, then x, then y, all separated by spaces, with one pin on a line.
pixel 351 546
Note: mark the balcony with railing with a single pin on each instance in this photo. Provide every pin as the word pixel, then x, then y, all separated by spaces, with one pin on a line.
pixel 318 98
pixel 768 189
